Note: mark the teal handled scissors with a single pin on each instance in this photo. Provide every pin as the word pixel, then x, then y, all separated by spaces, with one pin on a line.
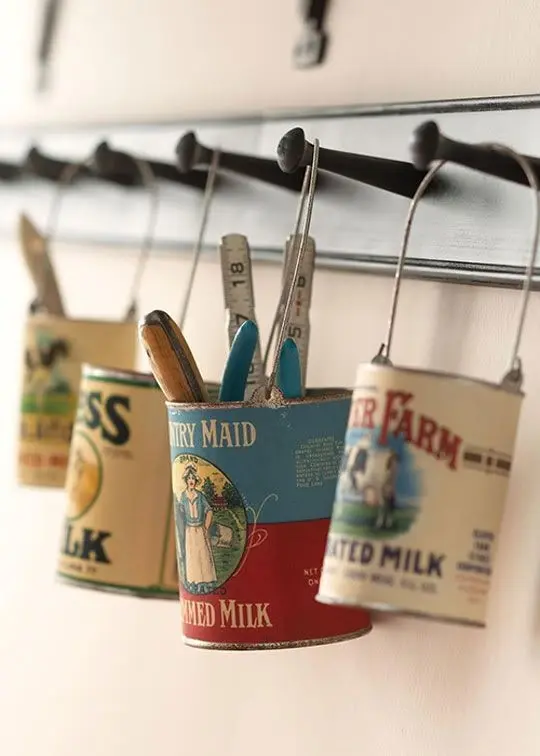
pixel 289 374
pixel 235 375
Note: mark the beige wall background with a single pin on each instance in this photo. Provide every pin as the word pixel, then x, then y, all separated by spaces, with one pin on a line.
pixel 88 673
pixel 151 59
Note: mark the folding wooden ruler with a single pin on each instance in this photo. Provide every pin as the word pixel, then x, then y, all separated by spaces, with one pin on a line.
pixel 299 326
pixel 235 257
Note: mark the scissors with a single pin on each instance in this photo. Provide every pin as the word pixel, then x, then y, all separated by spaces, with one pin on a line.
pixel 235 375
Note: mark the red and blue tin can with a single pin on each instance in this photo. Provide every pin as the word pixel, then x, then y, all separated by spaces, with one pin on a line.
pixel 253 490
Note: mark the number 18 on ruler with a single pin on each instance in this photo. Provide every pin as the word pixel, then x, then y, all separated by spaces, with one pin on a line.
pixel 235 259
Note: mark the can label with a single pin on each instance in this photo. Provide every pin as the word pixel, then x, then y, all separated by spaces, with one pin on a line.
pixel 48 404
pixel 421 493
pixel 54 350
pixel 253 489
pixel 119 524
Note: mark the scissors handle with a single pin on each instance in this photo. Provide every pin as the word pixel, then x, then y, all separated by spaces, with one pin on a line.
pixel 289 375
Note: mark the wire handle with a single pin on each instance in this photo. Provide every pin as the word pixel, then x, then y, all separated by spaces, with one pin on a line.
pixel 307 197
pixel 513 378
pixel 148 179
pixel 197 249
pixel 288 268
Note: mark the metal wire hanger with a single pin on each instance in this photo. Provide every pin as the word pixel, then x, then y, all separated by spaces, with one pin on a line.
pixel 513 378
pixel 283 312
pixel 150 183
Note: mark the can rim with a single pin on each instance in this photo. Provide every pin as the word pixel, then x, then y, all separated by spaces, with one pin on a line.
pixel 277 645
pixel 395 609
pixel 441 374
pixel 116 588
pixel 104 373
pixel 314 396
pixel 79 321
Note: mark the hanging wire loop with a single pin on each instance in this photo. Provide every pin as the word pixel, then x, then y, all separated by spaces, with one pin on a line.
pixel 149 181
pixel 288 267
pixel 307 198
pixel 514 376
pixel 205 215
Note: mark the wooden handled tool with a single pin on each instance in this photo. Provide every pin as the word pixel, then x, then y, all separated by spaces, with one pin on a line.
pixel 172 363
pixel 38 261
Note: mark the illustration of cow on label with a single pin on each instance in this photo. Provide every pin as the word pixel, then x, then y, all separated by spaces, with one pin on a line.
pixel 44 379
pixel 378 484
pixel 373 476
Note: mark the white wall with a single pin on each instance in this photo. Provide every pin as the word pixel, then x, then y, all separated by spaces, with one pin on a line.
pixel 150 59
pixel 86 673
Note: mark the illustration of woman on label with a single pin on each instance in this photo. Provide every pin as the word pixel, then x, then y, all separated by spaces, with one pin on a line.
pixel 195 513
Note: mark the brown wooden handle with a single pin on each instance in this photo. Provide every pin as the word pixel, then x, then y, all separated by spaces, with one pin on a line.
pixel 171 360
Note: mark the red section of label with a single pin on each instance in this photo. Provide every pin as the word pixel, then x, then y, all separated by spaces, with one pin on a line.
pixel 271 596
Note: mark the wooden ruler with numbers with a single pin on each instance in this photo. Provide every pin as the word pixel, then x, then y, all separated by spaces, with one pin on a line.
pixel 299 327
pixel 235 257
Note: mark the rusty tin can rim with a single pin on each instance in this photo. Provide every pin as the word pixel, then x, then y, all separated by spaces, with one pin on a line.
pixel 441 374
pixel 313 396
pixel 276 645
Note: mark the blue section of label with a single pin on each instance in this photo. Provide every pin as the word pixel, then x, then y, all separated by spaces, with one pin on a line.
pixel 279 464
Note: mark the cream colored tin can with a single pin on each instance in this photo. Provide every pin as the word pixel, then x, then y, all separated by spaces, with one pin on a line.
pixel 119 526
pixel 424 474
pixel 421 493
pixel 55 347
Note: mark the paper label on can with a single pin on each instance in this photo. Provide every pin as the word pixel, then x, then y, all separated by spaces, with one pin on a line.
pixel 253 491
pixel 420 495
pixel 119 525
pixel 54 350
pixel 48 404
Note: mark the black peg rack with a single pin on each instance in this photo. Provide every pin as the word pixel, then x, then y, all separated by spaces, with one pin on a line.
pixel 473 226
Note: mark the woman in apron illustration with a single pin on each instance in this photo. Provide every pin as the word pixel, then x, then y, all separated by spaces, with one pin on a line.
pixel 195 512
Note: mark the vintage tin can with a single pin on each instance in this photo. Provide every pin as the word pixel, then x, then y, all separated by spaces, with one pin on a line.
pixel 119 526
pixel 421 492
pixel 253 488
pixel 55 348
